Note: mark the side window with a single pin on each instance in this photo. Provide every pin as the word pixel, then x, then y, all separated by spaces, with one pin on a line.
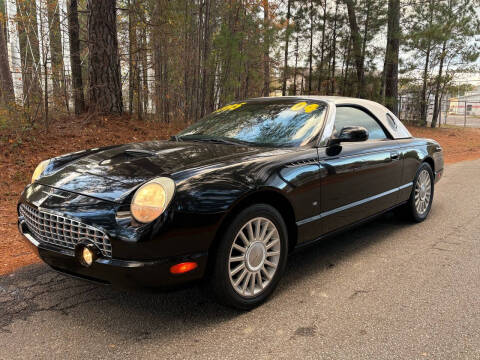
pixel 350 116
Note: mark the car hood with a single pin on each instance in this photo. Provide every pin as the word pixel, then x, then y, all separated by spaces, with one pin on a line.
pixel 113 173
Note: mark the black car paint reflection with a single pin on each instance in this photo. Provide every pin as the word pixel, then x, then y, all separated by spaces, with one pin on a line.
pixel 312 186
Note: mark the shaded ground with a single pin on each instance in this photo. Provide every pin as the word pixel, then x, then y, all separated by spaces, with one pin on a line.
pixel 387 290
pixel 19 158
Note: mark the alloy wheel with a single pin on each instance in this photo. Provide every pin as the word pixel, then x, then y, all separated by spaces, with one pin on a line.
pixel 254 257
pixel 423 192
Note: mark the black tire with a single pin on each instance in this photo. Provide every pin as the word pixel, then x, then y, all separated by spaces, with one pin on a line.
pixel 409 210
pixel 220 282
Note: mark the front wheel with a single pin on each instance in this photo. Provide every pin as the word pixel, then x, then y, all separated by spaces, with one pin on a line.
pixel 251 257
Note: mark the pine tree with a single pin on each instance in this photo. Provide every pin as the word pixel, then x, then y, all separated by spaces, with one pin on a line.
pixel 76 67
pixel 105 89
pixel 7 94
pixel 390 69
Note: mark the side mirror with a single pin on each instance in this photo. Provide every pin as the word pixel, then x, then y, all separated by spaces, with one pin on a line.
pixel 350 134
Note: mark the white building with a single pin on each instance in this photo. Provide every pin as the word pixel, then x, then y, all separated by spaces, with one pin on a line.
pixel 469 102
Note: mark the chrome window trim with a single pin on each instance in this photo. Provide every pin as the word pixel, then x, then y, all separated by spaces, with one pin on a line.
pixel 327 130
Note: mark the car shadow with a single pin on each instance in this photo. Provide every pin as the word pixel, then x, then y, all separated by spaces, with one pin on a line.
pixel 139 315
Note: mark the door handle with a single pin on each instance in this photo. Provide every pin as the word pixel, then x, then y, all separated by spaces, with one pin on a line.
pixel 394 155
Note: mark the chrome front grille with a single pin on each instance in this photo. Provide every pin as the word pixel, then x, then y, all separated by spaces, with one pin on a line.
pixel 58 230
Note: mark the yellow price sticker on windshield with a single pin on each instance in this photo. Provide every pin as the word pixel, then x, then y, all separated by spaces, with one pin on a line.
pixel 310 108
pixel 298 106
pixel 231 107
pixel 304 106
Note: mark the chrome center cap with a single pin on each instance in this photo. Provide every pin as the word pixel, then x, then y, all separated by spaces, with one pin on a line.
pixel 255 256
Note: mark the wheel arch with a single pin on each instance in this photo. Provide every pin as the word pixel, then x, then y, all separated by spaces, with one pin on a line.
pixel 267 196
pixel 430 162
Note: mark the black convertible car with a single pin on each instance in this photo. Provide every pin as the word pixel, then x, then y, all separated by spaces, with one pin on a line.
pixel 229 197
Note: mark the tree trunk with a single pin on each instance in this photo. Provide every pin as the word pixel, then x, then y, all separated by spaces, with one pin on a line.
pixel 29 53
pixel 364 43
pixel 76 67
pixel 144 60
pixel 266 49
pixel 56 57
pixel 133 74
pixel 7 93
pixel 391 56
pixel 356 45
pixel 105 92
pixel 436 108
pixel 423 96
pixel 423 99
pixel 347 65
pixel 310 51
pixel 160 61
pixel 205 56
pixel 322 55
pixel 285 61
pixel 296 67
pixel 334 48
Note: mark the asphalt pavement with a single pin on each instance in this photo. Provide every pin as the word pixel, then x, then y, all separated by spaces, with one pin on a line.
pixel 387 290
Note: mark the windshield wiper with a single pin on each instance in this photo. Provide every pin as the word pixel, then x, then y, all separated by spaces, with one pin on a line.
pixel 211 139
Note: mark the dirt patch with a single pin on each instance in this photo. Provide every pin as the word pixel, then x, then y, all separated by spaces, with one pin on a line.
pixel 458 144
pixel 19 158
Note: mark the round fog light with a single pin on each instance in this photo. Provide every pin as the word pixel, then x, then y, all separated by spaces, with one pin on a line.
pixel 87 256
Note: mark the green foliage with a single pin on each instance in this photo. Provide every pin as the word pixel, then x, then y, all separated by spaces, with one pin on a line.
pixel 182 59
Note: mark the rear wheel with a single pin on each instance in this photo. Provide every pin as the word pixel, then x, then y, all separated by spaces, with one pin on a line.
pixel 251 257
pixel 420 201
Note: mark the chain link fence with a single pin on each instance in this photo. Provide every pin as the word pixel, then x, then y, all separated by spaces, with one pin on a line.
pixel 453 112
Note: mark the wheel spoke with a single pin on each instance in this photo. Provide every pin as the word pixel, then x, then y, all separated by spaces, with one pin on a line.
pixel 271 264
pixel 237 258
pixel 272 243
pixel 250 232
pixel 252 283
pixel 239 248
pixel 273 253
pixel 267 274
pixel 240 278
pixel 259 280
pixel 264 231
pixel 243 237
pixel 245 283
pixel 237 269
pixel 257 229
pixel 269 235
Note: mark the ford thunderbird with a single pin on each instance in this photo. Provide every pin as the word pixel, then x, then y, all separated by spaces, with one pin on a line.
pixel 228 198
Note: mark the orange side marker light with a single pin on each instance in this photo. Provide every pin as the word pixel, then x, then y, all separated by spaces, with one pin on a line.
pixel 183 267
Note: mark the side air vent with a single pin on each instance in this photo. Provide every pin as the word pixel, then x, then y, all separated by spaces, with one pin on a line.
pixel 302 162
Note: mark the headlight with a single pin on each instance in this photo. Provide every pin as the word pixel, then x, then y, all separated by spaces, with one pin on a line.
pixel 39 170
pixel 151 199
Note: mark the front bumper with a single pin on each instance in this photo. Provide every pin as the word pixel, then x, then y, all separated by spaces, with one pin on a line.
pixel 119 273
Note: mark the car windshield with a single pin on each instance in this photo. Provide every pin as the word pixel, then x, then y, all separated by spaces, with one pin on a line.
pixel 289 122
